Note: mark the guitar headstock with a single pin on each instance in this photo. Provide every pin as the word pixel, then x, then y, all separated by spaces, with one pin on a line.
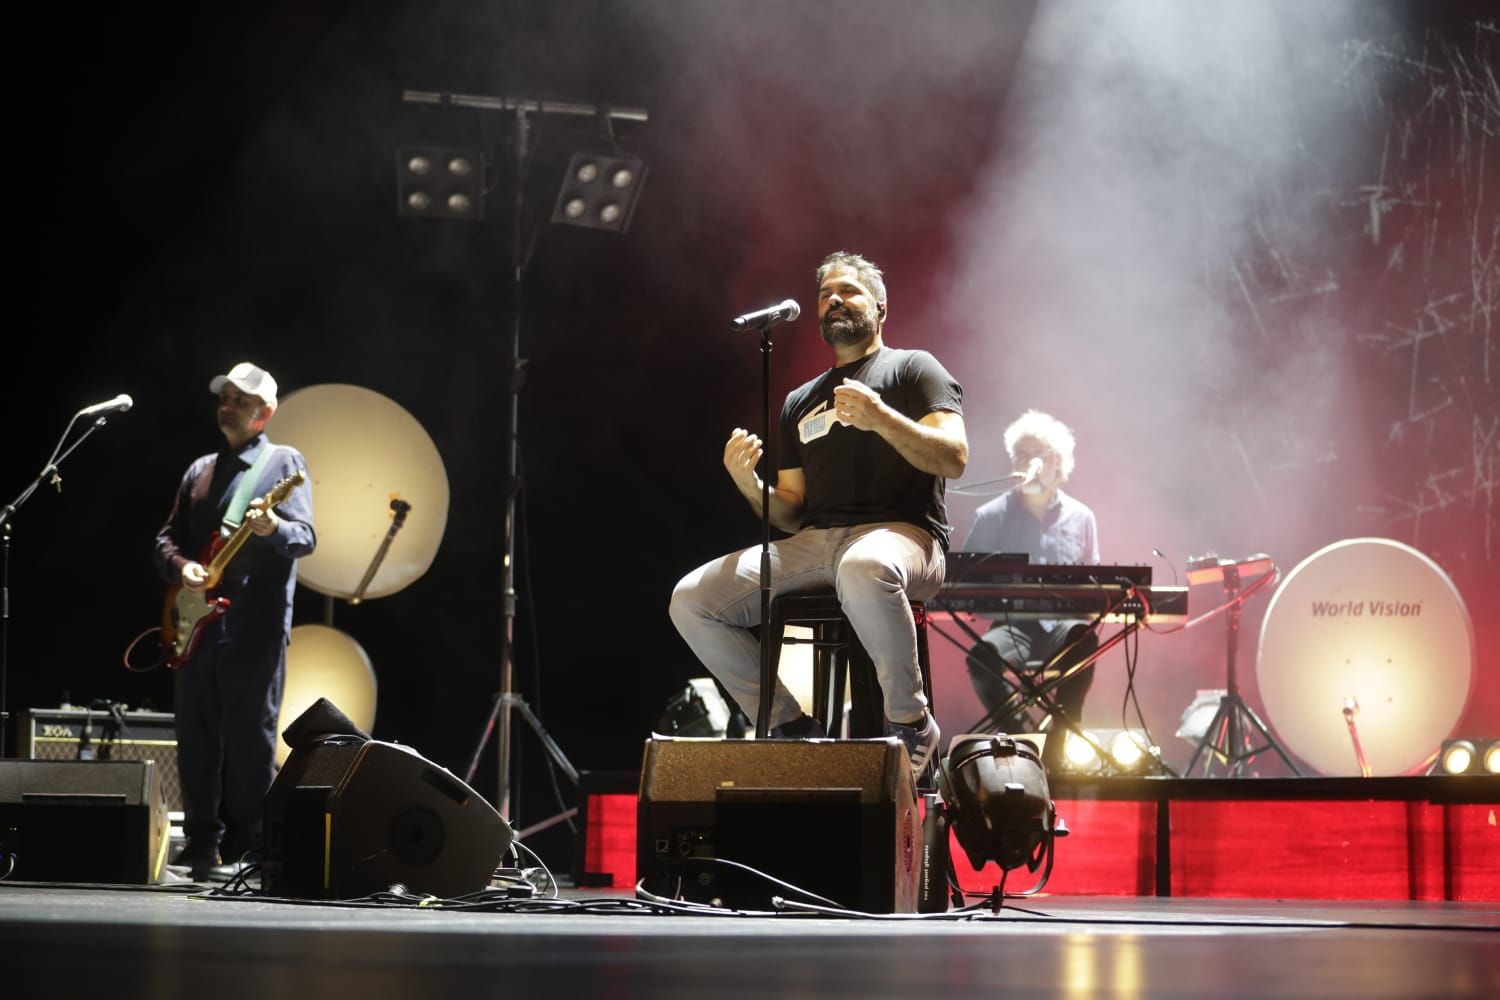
pixel 284 487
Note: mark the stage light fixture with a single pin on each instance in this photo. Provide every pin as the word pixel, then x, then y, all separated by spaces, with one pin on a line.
pixel 440 182
pixel 1457 757
pixel 1108 752
pixel 1129 749
pixel 1001 810
pixel 600 191
pixel 1080 755
pixel 1469 756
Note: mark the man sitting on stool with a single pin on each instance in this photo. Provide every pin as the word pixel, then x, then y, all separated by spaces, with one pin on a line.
pixel 864 449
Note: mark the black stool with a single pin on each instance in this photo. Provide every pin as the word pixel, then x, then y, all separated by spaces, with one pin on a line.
pixel 836 649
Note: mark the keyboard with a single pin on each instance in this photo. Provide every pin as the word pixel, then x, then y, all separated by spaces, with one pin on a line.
pixel 1004 586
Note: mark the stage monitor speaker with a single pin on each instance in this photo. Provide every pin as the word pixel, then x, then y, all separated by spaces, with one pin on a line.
pixel 346 818
pixel 82 821
pixel 836 818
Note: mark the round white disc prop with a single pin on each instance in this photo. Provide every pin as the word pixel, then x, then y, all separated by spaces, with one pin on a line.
pixel 364 452
pixel 323 662
pixel 1373 624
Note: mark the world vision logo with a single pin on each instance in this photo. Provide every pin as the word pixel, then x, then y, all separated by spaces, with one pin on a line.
pixel 1367 608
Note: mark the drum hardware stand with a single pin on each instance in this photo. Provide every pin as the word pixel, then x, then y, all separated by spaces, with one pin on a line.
pixel 1230 735
pixel 506 700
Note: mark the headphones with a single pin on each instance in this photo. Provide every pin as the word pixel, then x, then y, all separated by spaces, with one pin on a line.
pixel 880 308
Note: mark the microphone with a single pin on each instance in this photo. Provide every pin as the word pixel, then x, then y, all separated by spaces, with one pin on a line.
pixel 764 319
pixel 119 404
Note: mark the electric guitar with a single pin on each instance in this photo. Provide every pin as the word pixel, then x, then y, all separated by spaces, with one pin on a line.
pixel 188 612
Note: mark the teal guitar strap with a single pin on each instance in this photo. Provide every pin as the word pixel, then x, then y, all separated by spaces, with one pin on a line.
pixel 244 493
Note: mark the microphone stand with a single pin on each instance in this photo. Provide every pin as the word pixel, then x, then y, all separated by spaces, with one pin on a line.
pixel 769 645
pixel 401 509
pixel 49 474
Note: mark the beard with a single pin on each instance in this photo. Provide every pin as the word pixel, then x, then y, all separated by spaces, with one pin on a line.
pixel 843 327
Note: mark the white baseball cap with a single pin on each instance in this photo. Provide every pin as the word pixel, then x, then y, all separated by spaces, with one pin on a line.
pixel 248 379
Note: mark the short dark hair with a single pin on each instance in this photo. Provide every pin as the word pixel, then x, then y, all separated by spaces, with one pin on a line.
pixel 868 271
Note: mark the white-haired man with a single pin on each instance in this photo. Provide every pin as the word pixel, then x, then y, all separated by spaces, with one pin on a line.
pixel 1039 519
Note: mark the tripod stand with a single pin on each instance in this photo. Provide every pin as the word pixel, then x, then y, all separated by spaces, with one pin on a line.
pixel 507 700
pixel 1231 734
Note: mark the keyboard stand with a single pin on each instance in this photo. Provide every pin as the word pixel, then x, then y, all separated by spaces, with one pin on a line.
pixel 1038 695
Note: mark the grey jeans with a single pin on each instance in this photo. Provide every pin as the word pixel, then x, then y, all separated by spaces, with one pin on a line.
pixel 876 570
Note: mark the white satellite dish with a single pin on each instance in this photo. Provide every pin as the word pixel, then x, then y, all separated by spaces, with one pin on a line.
pixel 1374 621
pixel 367 457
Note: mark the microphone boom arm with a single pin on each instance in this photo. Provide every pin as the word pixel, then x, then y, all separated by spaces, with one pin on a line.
pixel 402 508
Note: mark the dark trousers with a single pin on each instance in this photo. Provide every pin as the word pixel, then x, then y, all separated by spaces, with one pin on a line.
pixel 228 705
pixel 1007 650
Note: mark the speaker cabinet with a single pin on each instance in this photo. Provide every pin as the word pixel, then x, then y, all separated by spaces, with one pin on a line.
pixel 836 818
pixel 91 734
pixel 346 818
pixel 82 821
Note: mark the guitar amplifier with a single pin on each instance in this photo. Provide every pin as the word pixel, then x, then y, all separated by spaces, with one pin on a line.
pixel 59 734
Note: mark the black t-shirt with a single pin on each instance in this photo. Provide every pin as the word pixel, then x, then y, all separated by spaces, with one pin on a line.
pixel 854 476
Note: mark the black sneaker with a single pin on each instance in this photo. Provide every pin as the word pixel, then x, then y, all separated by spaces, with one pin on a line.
pixel 803 727
pixel 920 741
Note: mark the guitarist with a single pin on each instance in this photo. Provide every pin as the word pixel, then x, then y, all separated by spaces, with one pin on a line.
pixel 228 695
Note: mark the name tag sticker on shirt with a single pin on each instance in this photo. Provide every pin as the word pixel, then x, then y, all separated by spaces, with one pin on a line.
pixel 815 425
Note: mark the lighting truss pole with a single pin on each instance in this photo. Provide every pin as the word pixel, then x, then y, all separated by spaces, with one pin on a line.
pixel 507 700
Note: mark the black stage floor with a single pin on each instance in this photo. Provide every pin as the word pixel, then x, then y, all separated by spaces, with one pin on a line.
pixel 166 942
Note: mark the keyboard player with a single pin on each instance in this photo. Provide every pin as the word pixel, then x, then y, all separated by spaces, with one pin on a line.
pixel 1039 519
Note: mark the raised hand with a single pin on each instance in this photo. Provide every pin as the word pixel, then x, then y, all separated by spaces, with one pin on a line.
pixel 857 405
pixel 742 453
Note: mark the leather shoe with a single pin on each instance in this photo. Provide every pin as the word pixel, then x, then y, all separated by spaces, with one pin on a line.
pixel 195 865
pixel 220 873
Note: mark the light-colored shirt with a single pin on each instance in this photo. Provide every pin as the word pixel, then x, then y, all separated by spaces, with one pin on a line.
pixel 1066 534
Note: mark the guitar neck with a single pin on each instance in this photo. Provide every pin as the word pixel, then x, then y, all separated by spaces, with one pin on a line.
pixel 215 568
pixel 220 559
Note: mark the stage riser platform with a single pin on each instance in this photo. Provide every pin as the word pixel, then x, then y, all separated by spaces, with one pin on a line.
pixel 1381 839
